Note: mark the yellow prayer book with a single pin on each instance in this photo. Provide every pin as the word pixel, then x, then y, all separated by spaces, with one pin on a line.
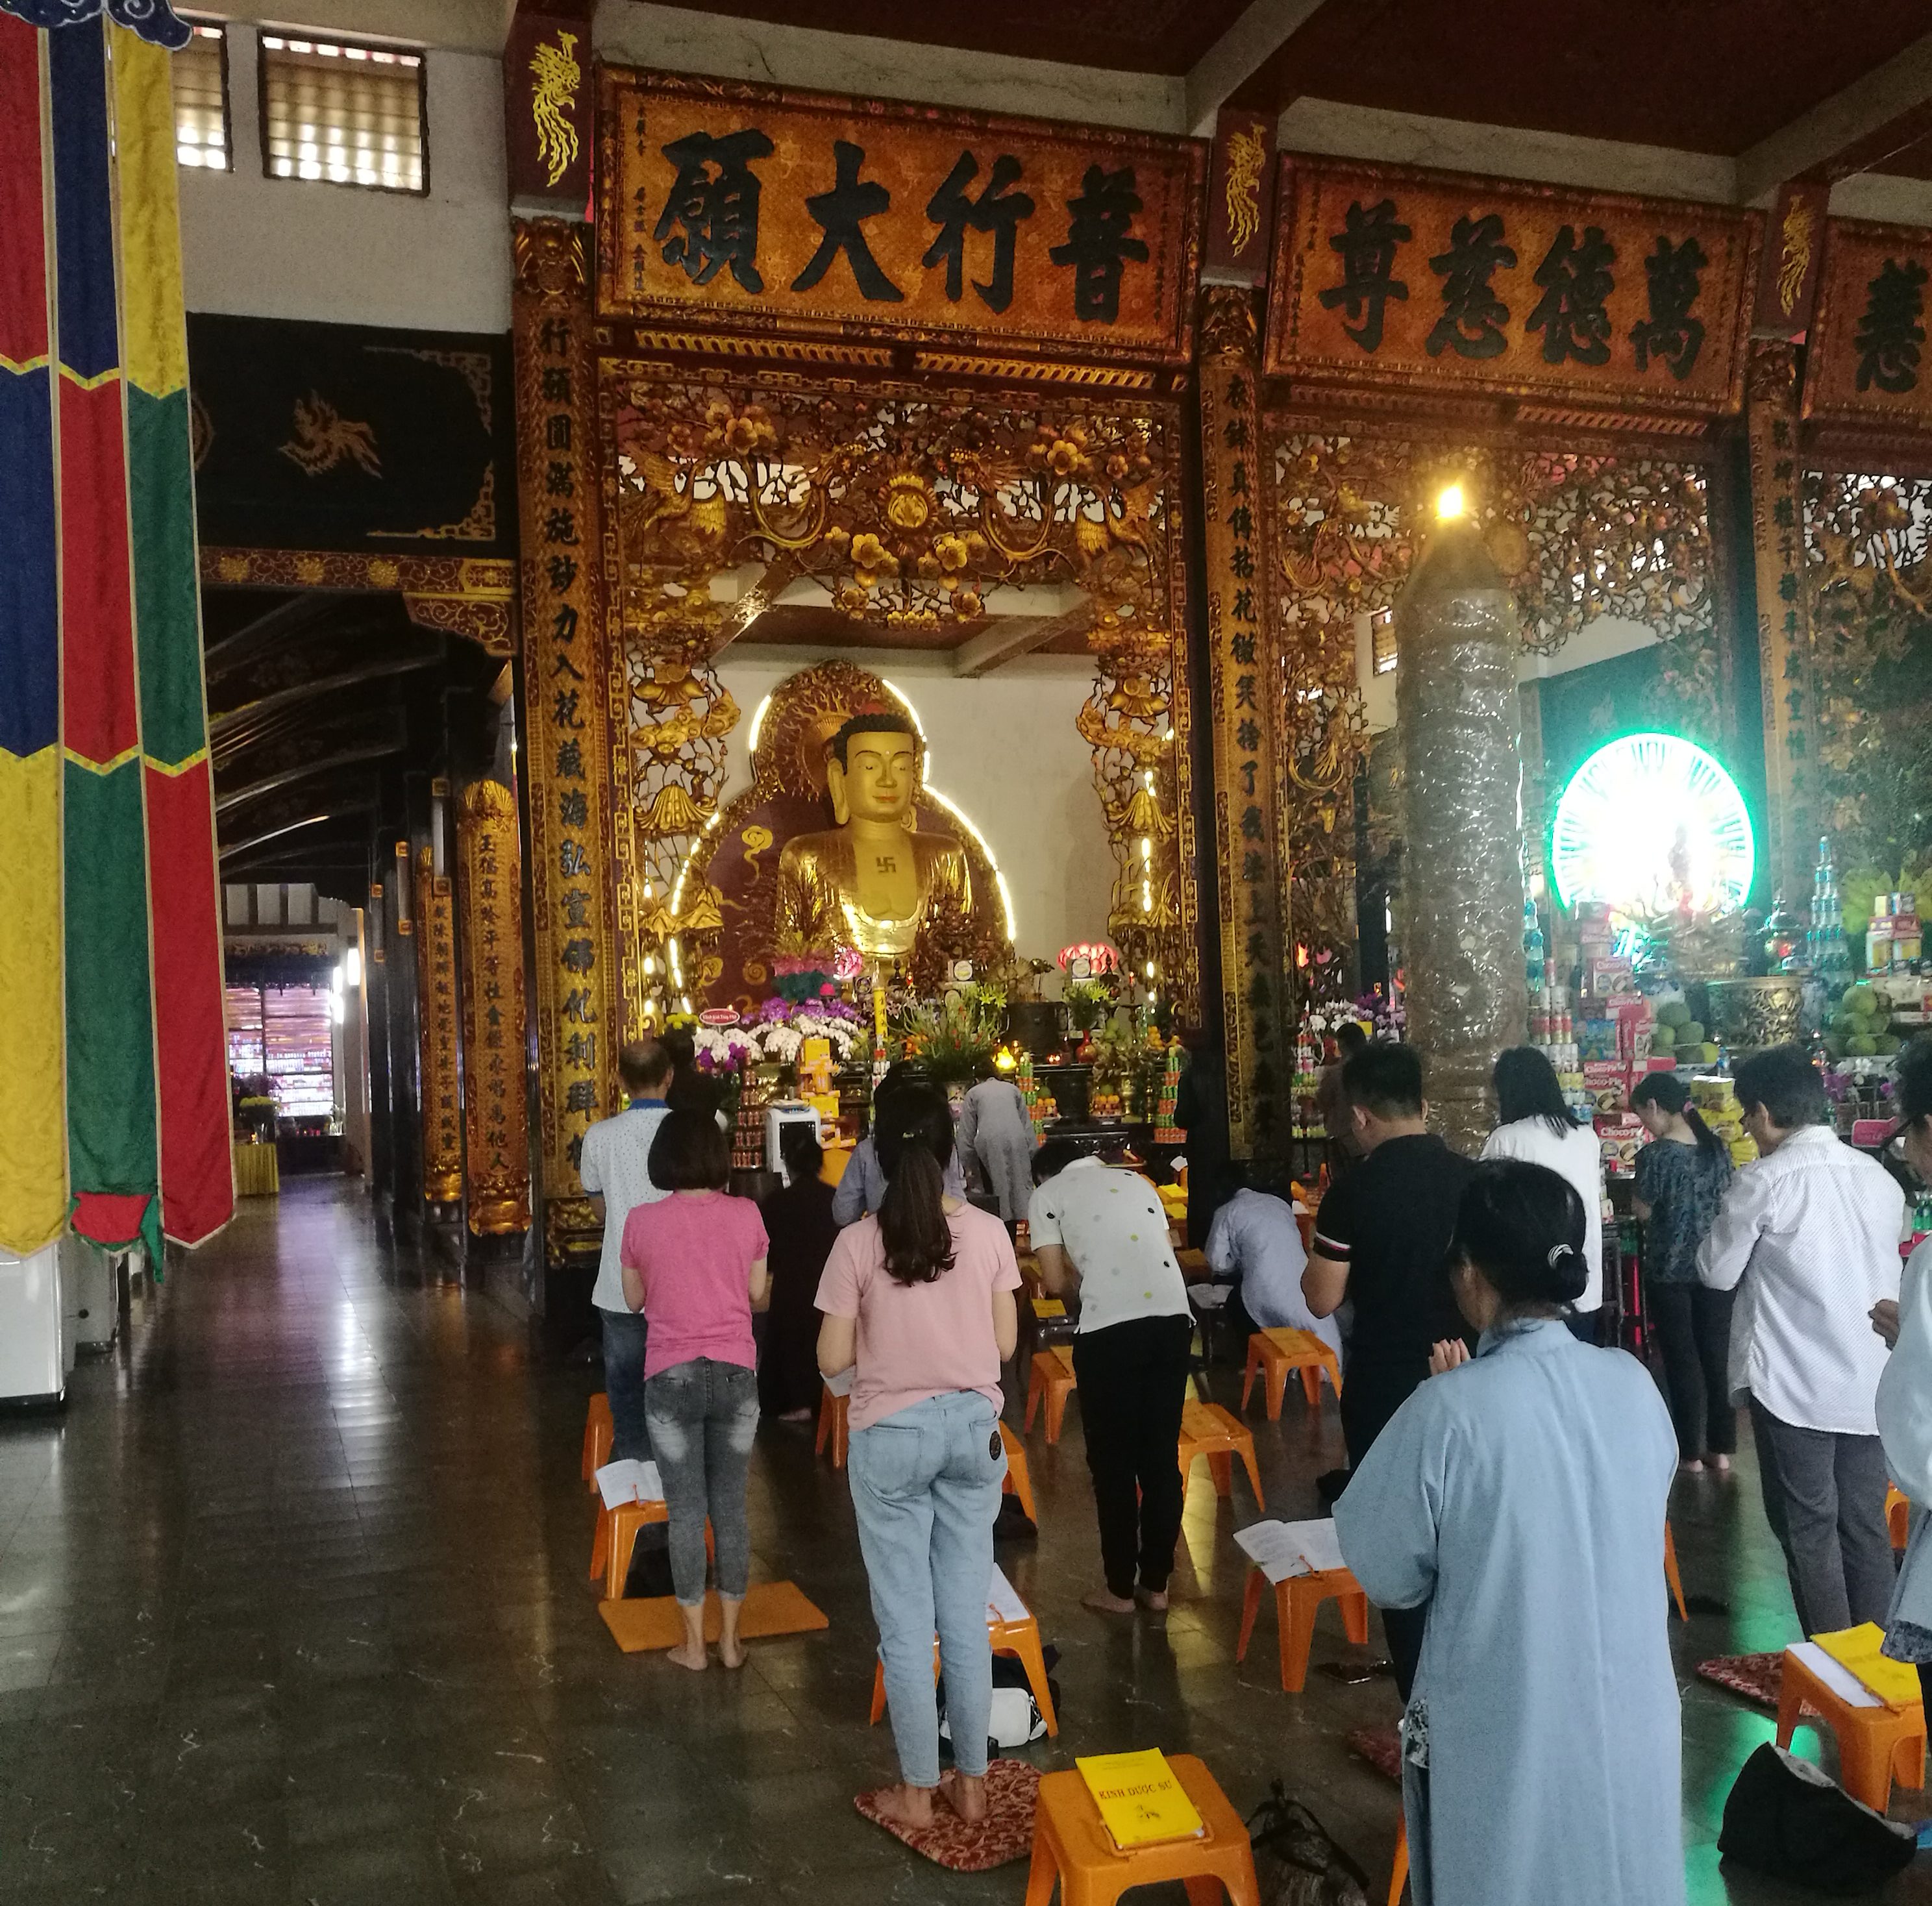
pixel 1896 1683
pixel 1048 1307
pixel 1140 1802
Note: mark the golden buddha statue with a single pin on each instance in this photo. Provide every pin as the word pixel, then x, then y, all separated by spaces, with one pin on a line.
pixel 871 883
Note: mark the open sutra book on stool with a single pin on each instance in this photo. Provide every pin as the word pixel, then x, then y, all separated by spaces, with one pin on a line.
pixel 1280 1550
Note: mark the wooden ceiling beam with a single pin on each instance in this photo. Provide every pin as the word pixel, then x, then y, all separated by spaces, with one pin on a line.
pixel 1855 130
pixel 1010 637
pixel 1241 52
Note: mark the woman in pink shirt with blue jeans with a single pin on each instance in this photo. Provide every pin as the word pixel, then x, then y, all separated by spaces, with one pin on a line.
pixel 920 1297
pixel 695 1264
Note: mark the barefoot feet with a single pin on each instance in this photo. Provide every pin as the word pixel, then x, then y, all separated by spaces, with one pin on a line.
pixel 965 1794
pixel 906 1806
pixel 1154 1600
pixel 1102 1601
pixel 692 1655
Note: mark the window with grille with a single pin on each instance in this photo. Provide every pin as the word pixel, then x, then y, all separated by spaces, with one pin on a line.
pixel 200 77
pixel 298 1042
pixel 1382 628
pixel 347 114
pixel 246 1057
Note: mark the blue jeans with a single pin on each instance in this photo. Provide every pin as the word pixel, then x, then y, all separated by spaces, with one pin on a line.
pixel 925 1485
pixel 624 1335
pixel 703 1417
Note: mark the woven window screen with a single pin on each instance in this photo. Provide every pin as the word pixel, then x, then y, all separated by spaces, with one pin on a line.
pixel 200 73
pixel 349 115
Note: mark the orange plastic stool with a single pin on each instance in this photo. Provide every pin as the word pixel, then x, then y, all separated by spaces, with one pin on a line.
pixel 832 1411
pixel 1019 1639
pixel 1018 1483
pixel 1675 1581
pixel 1296 1601
pixel 1877 1746
pixel 1071 1845
pixel 616 1538
pixel 1897 1515
pixel 1207 1430
pixel 1052 1378
pixel 598 1431
pixel 1400 1878
pixel 1278 1352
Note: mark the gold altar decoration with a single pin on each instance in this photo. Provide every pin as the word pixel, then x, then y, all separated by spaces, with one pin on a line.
pixel 1868 599
pixel 1784 621
pixel 1749 1014
pixel 756 208
pixel 496 1116
pixel 902 507
pixel 1575 535
pixel 569 696
pixel 1434 282
pixel 771 842
pixel 1246 708
pixel 435 1010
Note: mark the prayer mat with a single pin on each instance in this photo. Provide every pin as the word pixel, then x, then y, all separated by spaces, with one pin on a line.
pixel 770 1608
pixel 1006 1834
pixel 1381 1748
pixel 1756 1677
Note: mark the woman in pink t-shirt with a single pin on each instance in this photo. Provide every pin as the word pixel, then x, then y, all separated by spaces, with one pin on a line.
pixel 918 1305
pixel 695 1264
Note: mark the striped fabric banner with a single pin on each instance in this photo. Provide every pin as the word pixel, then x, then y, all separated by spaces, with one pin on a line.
pixel 33 1121
pixel 197 1170
pixel 113 1076
pixel 112 1146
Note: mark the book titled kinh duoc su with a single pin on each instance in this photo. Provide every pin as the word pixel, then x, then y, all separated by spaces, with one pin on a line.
pixel 1141 1803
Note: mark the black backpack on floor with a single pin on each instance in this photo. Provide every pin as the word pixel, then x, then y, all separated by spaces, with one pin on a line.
pixel 1297 1862
pixel 1788 1821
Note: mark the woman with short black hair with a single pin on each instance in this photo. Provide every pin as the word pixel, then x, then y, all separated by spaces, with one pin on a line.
pixel 695 1264
pixel 1518 1497
pixel 1533 1123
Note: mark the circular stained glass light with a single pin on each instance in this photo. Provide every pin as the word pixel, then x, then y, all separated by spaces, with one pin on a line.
pixel 1652 822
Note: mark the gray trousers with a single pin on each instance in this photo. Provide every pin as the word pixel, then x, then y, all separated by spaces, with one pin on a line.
pixel 1824 1496
pixel 704 1417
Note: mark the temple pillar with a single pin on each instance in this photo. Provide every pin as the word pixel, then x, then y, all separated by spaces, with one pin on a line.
pixel 569 687
pixel 1244 680
pixel 496 1178
pixel 436 1029
pixel 1784 621
pixel 1457 638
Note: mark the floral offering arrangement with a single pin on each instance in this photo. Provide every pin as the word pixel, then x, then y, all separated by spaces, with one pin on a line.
pixel 773 1033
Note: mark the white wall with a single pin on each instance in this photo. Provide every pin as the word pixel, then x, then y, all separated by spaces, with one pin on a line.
pixel 256 247
pixel 1005 749
pixel 682 40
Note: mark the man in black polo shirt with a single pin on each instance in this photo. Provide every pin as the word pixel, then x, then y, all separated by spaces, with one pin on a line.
pixel 1382 1243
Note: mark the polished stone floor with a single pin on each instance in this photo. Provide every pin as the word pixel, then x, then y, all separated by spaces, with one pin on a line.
pixel 293 1607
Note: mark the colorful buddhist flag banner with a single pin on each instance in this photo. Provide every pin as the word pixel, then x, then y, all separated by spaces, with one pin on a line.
pixel 113 1077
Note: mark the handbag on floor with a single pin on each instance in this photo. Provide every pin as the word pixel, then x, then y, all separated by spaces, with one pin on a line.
pixel 1787 1820
pixel 1296 1861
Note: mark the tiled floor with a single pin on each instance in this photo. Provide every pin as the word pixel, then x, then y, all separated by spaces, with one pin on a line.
pixel 293 1607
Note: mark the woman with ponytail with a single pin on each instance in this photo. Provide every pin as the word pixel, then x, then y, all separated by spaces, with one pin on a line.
pixel 1682 1176
pixel 1518 1498
pixel 918 1305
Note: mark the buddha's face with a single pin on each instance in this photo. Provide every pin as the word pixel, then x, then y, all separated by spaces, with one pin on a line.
pixel 879 779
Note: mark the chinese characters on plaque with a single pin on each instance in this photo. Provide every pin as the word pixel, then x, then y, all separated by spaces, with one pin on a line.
pixel 495 1120
pixel 1243 683
pixel 1389 275
pixel 1866 358
pixel 754 208
pixel 435 982
pixel 565 689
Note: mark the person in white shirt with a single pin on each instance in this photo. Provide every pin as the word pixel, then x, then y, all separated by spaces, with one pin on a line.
pixel 615 1169
pixel 1103 1233
pixel 1256 1241
pixel 1808 1236
pixel 1533 1124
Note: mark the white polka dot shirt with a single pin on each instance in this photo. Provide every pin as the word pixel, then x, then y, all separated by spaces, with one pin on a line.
pixel 1111 1225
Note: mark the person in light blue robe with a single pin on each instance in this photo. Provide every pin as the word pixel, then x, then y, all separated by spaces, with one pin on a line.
pixel 1519 1495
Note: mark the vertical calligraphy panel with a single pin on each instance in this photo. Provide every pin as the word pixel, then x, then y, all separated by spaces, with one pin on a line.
pixel 495 1123
pixel 1243 720
pixel 566 670
pixel 436 1014
pixel 1784 643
